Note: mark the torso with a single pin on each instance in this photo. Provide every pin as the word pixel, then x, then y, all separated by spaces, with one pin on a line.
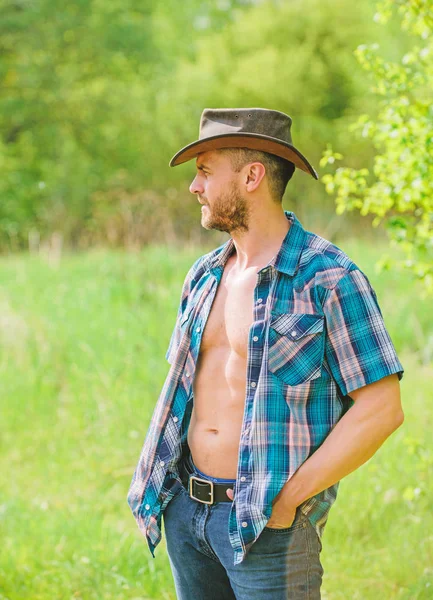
pixel 220 379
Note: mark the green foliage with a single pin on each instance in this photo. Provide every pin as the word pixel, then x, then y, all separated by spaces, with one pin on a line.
pixel 96 97
pixel 399 189
pixel 288 56
pixel 77 104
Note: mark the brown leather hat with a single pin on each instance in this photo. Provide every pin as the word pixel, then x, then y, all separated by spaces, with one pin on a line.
pixel 255 128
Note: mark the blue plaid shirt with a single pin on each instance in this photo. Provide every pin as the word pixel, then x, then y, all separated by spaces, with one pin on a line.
pixel 317 334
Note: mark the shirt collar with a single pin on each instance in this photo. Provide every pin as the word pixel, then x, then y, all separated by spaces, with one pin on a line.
pixel 287 258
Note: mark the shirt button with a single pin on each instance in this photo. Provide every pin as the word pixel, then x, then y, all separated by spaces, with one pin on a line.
pixel 175 419
pixel 147 507
pixel 259 300
pixel 162 463
pixel 264 270
pixel 293 333
pixel 253 384
pixel 187 374
pixel 198 330
pixel 243 478
pixel 255 338
pixel 244 524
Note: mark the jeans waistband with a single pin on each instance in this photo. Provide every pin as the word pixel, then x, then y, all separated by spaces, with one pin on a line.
pixel 192 469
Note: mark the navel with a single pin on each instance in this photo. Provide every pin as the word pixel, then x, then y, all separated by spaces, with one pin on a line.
pixel 213 431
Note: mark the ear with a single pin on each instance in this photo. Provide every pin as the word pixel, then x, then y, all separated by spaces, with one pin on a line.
pixel 254 174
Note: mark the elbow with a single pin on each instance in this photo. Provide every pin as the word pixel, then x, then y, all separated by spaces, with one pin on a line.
pixel 398 419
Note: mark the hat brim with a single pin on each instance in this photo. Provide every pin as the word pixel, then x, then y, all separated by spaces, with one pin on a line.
pixel 253 141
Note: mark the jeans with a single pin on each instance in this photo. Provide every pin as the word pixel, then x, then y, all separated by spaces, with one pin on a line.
pixel 282 563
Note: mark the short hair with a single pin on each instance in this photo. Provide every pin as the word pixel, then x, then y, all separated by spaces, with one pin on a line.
pixel 278 170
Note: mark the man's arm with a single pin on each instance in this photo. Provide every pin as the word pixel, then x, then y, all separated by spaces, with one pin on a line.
pixel 375 415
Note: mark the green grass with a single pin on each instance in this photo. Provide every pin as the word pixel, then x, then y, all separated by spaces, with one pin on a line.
pixel 82 348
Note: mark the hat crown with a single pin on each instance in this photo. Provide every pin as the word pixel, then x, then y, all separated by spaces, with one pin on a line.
pixel 217 121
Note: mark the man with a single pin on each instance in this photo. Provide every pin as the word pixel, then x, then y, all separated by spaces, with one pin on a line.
pixel 283 380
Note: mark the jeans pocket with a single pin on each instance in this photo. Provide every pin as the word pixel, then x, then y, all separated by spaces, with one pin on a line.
pixel 298 522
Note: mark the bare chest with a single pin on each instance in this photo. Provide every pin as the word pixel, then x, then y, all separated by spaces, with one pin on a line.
pixel 231 313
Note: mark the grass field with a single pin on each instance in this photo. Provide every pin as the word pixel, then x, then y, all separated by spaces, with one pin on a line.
pixel 82 348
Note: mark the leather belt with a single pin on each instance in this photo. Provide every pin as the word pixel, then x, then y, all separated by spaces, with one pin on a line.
pixel 204 490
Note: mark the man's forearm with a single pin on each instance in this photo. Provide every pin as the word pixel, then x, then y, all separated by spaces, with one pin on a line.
pixel 353 440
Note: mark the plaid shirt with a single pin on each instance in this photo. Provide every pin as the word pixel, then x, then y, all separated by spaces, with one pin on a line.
pixel 317 334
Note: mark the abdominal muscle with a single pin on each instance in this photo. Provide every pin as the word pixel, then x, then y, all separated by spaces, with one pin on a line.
pixel 218 410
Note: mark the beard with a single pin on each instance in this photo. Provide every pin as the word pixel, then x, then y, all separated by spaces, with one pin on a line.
pixel 229 212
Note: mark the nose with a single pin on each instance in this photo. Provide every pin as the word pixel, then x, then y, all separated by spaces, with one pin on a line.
pixel 195 187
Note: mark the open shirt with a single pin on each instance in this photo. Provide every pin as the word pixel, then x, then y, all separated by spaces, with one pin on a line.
pixel 317 334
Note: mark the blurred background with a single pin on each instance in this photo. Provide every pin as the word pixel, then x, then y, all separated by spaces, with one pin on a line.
pixel 97 233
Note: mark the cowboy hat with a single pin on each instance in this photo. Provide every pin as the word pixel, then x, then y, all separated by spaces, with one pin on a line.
pixel 254 128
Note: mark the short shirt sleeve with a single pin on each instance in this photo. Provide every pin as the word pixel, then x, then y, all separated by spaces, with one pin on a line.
pixel 358 347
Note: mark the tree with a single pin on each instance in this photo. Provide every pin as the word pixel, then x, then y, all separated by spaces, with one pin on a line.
pixel 400 189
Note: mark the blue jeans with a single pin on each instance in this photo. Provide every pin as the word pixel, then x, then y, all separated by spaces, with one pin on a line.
pixel 281 564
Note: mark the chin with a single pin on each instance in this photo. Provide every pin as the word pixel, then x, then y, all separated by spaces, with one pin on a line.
pixel 206 223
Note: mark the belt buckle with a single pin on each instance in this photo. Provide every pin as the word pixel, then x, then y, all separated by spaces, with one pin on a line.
pixel 203 481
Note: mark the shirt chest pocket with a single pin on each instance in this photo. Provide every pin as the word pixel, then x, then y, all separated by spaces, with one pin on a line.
pixel 296 346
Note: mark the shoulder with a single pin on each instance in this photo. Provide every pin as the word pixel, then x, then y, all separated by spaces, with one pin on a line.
pixel 326 263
